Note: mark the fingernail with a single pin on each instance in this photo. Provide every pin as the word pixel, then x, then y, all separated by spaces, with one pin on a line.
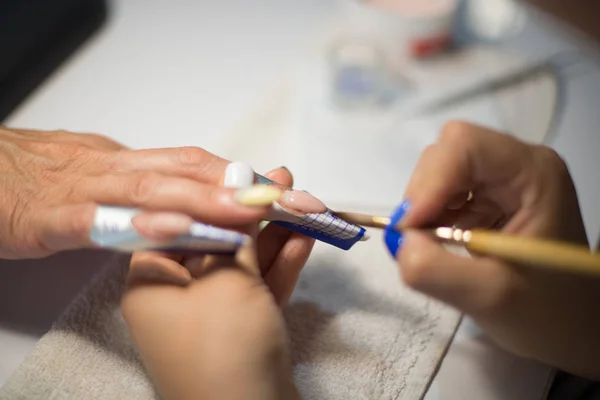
pixel 277 169
pixel 162 224
pixel 302 201
pixel 393 238
pixel 238 175
pixel 257 195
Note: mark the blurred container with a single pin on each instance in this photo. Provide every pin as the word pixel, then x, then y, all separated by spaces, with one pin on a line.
pixel 359 75
pixel 415 28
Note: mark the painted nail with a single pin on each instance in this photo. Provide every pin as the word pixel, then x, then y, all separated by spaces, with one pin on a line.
pixel 257 195
pixel 393 239
pixel 162 224
pixel 238 175
pixel 301 201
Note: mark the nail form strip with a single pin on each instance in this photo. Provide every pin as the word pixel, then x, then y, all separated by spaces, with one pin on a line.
pixel 324 227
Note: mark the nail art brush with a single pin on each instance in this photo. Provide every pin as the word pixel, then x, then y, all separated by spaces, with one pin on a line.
pixel 534 252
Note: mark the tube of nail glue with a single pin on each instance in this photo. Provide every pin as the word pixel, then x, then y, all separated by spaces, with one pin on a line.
pixel 113 230
pixel 324 227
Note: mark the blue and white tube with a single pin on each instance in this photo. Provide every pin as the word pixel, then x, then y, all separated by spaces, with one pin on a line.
pixel 114 230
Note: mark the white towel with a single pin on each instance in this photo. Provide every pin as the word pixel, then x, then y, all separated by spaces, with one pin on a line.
pixel 356 333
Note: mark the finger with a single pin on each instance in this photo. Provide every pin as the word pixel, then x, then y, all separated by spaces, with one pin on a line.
pixel 194 264
pixel 283 274
pixel 465 157
pixel 239 174
pixel 245 260
pixel 281 175
pixel 478 213
pixel 187 162
pixel 65 227
pixel 271 239
pixel 270 242
pixel 69 227
pixel 157 192
pixel 162 225
pixel 471 285
pixel 157 267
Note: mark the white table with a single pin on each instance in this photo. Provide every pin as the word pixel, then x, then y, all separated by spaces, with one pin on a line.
pixel 182 73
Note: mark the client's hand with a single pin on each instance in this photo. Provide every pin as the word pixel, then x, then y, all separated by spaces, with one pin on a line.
pixel 52 182
pixel 522 190
pixel 222 336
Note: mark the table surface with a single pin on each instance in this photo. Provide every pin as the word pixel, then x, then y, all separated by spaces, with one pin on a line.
pixel 197 69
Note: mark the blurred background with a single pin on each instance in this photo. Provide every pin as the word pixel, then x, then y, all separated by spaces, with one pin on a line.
pixel 344 92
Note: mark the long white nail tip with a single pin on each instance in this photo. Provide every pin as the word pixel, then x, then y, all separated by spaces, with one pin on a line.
pixel 238 175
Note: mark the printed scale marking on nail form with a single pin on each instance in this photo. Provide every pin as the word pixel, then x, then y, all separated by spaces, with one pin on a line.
pixel 113 229
pixel 321 226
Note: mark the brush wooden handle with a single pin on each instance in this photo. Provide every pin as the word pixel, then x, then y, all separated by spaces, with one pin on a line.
pixel 536 252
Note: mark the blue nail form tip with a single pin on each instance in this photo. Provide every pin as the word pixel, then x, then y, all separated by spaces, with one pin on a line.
pixel 393 239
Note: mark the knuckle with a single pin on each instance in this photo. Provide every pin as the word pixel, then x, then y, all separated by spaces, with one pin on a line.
pixel 191 155
pixel 142 187
pixel 63 152
pixel 41 147
pixel 104 142
pixel 201 161
pixel 77 221
pixel 77 151
pixel 78 155
pixel 118 159
pixel 96 137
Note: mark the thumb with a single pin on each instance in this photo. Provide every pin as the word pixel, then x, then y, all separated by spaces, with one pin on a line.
pixel 65 227
pixel 473 285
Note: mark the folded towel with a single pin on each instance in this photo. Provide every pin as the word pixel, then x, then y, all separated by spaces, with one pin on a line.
pixel 356 332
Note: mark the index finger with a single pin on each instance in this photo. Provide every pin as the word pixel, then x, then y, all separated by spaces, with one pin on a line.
pixel 186 162
pixel 465 157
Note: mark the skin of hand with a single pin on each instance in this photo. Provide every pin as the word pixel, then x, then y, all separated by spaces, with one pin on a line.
pixel 221 335
pixel 581 14
pixel 523 190
pixel 53 181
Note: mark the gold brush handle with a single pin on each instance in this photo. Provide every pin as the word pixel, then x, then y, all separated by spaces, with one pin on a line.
pixel 535 252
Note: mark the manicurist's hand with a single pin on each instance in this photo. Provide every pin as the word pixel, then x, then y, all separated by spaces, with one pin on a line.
pixel 520 189
pixel 52 182
pixel 217 331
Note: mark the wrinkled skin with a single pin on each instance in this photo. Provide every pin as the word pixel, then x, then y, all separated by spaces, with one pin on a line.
pixel 52 182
